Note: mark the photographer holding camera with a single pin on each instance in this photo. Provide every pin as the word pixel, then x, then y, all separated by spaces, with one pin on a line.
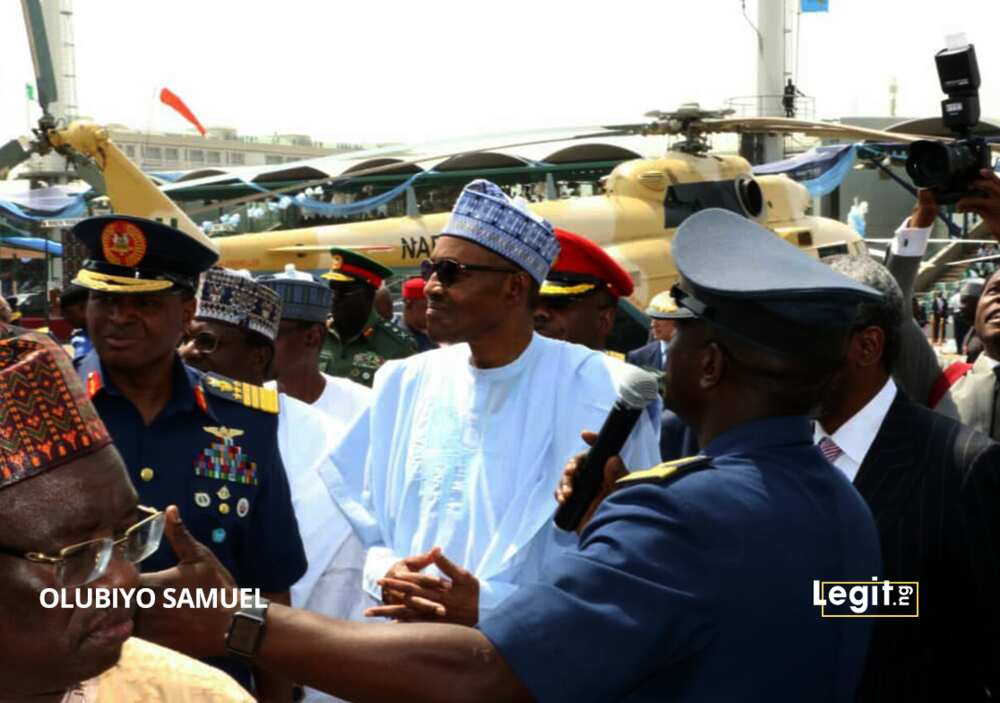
pixel 958 173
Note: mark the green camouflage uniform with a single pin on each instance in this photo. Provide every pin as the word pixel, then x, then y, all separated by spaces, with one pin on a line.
pixel 359 358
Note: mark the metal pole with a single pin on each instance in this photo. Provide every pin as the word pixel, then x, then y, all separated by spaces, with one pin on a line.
pixel 771 70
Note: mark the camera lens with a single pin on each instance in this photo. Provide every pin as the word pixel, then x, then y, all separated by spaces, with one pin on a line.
pixel 934 164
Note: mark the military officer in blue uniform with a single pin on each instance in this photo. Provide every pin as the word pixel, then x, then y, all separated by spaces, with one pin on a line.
pixel 694 579
pixel 203 442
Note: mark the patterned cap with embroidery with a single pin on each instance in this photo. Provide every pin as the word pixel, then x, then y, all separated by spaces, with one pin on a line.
pixel 485 215
pixel 235 298
pixel 302 296
pixel 46 419
pixel 133 255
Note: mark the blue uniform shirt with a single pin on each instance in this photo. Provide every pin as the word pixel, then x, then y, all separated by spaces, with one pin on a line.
pixel 248 522
pixel 699 587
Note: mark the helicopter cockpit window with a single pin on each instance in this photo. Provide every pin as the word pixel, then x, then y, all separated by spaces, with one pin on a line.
pixel 742 196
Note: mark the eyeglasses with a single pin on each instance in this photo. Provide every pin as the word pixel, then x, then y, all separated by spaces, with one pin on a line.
pixel 449 270
pixel 83 563
pixel 205 342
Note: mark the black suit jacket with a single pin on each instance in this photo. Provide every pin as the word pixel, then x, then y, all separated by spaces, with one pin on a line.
pixel 647 357
pixel 933 486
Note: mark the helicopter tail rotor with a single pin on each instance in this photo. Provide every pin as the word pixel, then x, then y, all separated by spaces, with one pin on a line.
pixel 19 150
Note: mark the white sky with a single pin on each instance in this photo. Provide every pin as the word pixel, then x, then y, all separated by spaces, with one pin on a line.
pixel 399 70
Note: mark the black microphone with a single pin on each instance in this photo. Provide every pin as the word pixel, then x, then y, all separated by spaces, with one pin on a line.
pixel 637 389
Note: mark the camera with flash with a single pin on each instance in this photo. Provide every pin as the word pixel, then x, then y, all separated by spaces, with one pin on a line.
pixel 950 167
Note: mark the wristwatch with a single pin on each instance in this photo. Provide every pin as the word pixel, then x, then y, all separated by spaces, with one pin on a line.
pixel 246 631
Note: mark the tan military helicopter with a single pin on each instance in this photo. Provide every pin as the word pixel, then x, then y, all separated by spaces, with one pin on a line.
pixel 643 202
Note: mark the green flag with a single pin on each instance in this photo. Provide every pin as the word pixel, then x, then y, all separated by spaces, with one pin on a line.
pixel 29 90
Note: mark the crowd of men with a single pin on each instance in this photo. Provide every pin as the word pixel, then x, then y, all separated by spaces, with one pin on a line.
pixel 387 484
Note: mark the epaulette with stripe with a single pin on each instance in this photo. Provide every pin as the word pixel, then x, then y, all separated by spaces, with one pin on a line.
pixel 666 470
pixel 396 331
pixel 614 355
pixel 256 397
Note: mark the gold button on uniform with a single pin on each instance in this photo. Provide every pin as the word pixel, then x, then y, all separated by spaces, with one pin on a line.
pixel 146 474
pixel 224 508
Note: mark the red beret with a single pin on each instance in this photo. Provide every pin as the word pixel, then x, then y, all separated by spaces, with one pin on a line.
pixel 413 288
pixel 583 266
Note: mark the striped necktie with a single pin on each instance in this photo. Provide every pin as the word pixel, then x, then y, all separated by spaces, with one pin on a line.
pixel 831 452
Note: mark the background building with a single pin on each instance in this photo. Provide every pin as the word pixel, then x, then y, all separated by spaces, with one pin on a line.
pixel 221 146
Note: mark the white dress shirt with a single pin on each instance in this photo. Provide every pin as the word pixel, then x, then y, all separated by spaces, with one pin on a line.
pixel 855 436
pixel 910 241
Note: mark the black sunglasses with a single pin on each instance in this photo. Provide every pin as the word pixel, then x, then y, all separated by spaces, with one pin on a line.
pixel 449 270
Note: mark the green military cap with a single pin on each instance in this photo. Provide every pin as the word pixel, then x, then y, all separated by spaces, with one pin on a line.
pixel 348 266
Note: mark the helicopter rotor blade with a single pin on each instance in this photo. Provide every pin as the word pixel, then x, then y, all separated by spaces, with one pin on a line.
pixel 14 152
pixel 89 171
pixel 45 79
pixel 818 129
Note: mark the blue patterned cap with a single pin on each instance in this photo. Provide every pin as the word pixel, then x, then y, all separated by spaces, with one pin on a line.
pixel 303 297
pixel 235 298
pixel 485 215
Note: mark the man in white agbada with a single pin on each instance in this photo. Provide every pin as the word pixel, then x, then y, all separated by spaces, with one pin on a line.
pixel 306 305
pixel 234 332
pixel 467 441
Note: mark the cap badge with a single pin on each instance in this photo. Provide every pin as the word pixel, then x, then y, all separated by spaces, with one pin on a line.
pixel 123 243
pixel 336 262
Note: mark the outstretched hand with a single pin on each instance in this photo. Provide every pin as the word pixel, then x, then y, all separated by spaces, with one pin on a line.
pixel 614 469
